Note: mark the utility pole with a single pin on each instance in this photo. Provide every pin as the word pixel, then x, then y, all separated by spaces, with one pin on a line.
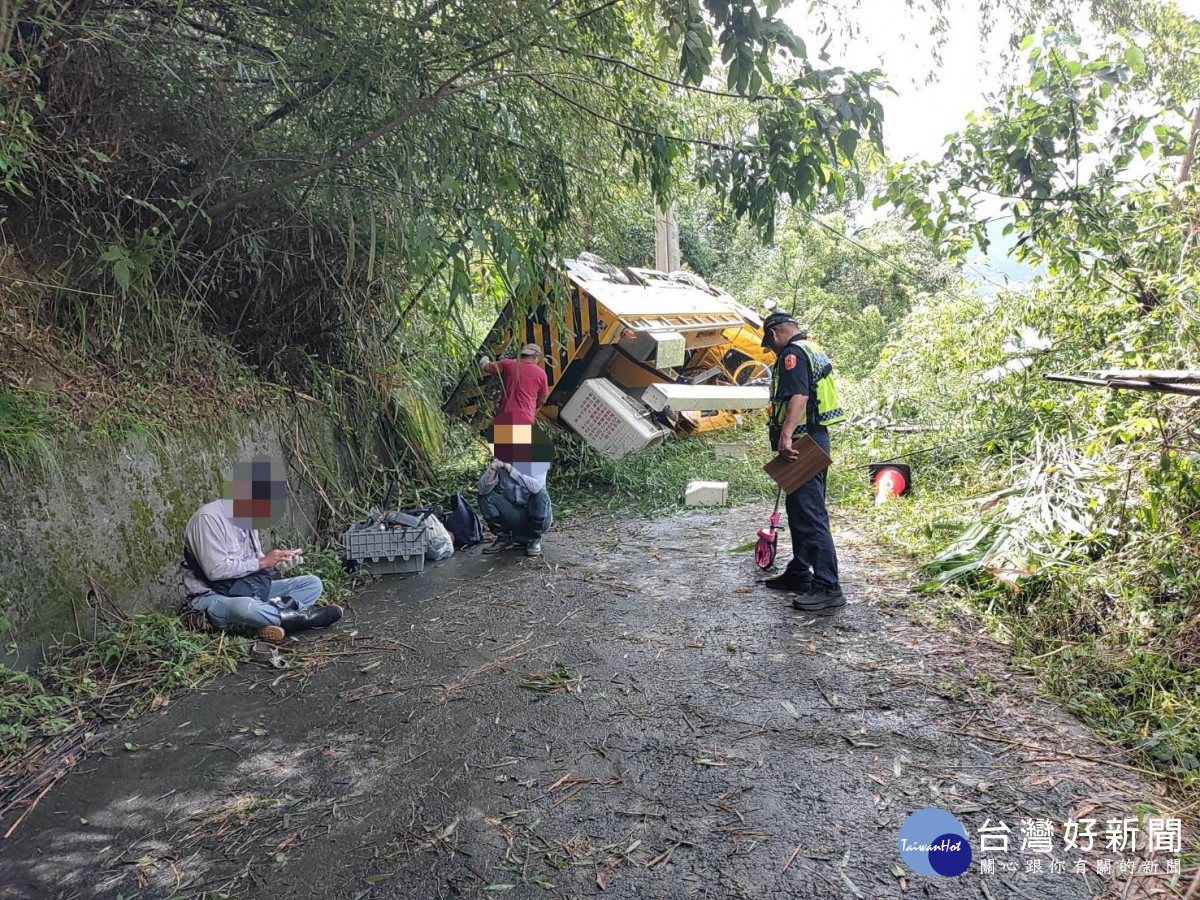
pixel 666 239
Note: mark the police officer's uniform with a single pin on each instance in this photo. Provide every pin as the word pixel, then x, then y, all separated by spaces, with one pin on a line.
pixel 801 368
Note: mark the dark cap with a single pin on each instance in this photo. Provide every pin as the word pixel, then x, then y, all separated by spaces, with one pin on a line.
pixel 776 318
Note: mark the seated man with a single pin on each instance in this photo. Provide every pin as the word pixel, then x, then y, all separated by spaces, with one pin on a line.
pixel 515 506
pixel 231 580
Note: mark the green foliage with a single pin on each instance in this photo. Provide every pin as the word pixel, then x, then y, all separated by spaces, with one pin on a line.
pixel 328 564
pixel 24 423
pixel 851 295
pixel 1057 152
pixel 121 673
pixel 655 480
pixel 338 193
pixel 1064 513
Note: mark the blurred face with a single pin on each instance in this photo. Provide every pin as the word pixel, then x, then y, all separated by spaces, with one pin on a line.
pixel 259 493
pixel 527 447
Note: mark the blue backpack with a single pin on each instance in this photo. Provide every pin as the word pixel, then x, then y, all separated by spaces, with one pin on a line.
pixel 463 522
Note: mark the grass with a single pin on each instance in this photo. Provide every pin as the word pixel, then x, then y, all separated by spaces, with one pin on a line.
pixel 51 719
pixel 25 425
pixel 655 480
pixel 558 678
pixel 1101 635
pixel 70 388
pixel 122 673
pixel 328 564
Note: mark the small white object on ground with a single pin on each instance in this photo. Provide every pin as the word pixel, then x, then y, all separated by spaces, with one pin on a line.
pixel 707 493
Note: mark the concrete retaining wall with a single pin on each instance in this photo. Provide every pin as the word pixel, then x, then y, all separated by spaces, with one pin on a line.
pixel 117 513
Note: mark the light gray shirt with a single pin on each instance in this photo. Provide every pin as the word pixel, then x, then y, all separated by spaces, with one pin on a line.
pixel 516 486
pixel 223 548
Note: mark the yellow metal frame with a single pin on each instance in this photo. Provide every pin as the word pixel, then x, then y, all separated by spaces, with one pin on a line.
pixel 569 334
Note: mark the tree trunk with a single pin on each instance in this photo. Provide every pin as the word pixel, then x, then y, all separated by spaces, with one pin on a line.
pixel 1185 168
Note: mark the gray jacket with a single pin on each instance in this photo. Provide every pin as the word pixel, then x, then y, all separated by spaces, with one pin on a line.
pixel 223 548
pixel 516 486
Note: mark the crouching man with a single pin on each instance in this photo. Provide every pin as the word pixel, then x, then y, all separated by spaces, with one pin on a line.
pixel 515 506
pixel 231 580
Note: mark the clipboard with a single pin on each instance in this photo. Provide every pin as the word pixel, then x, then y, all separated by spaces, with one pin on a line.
pixel 790 474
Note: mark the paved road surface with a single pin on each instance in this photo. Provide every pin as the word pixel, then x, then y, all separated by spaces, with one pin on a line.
pixel 698 736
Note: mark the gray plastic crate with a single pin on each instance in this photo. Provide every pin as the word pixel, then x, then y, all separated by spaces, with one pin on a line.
pixel 386 552
pixel 395 566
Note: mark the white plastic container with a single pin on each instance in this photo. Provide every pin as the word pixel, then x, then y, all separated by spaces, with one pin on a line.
pixel 610 420
pixel 707 493
pixel 690 397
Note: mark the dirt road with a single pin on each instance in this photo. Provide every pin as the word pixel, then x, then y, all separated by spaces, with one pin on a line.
pixel 631 717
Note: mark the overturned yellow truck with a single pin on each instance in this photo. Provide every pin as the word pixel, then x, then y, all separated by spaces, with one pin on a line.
pixel 631 355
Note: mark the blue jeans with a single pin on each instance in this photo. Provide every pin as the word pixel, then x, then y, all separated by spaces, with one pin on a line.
pixel 505 517
pixel 234 613
pixel 808 520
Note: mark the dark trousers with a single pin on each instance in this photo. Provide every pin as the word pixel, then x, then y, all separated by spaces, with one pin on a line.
pixel 524 522
pixel 808 521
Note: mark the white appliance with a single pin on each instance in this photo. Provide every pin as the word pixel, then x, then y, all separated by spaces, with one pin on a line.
pixel 689 397
pixel 661 349
pixel 610 420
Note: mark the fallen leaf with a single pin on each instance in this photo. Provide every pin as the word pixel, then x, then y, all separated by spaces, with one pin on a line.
pixel 743 590
pixel 375 879
pixel 850 884
pixel 365 669
pixel 790 707
pixel 604 874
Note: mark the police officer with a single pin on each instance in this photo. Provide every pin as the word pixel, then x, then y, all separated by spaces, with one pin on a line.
pixel 804 401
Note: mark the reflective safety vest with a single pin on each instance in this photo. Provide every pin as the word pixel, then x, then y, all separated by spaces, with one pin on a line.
pixel 829 408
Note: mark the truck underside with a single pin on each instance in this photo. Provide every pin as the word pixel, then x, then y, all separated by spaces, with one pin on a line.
pixel 630 355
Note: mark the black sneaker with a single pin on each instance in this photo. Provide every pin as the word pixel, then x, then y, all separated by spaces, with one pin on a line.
pixel 790 581
pixel 533 547
pixel 502 542
pixel 820 600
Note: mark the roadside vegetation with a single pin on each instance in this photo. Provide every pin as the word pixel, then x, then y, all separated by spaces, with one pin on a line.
pixel 204 210
pixel 1063 516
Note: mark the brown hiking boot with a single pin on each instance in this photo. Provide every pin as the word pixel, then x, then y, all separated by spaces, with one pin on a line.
pixel 272 634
